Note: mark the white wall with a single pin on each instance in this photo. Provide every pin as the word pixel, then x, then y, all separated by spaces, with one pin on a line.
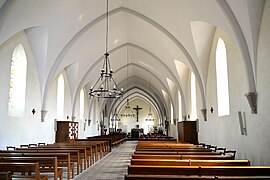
pixel 16 131
pixel 225 131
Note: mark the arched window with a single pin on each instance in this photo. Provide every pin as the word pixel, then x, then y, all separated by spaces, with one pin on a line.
pixel 17 83
pixel 81 104
pixel 222 79
pixel 179 106
pixel 171 113
pixel 193 97
pixel 60 97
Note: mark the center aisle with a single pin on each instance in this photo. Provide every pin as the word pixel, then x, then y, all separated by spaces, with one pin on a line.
pixel 112 166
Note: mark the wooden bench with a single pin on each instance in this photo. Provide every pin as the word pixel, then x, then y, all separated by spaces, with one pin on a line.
pixel 192 177
pixel 167 162
pixel 156 139
pixel 47 164
pixel 82 152
pixel 175 149
pixel 177 153
pixel 23 168
pixel 99 148
pixel 165 143
pixel 5 175
pixel 180 157
pixel 63 159
pixel 200 170
pixel 101 145
pixel 97 140
pixel 74 154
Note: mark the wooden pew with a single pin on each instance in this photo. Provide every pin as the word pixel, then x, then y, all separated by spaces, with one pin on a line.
pixel 175 149
pixel 180 157
pixel 47 164
pixel 5 175
pixel 192 177
pixel 177 153
pixel 165 143
pixel 99 148
pixel 82 151
pixel 74 154
pixel 100 145
pixel 22 168
pixel 64 159
pixel 95 140
pixel 200 170
pixel 167 162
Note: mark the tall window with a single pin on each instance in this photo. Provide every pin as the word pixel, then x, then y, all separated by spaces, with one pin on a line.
pixel 171 113
pixel 81 104
pixel 222 79
pixel 17 83
pixel 60 97
pixel 193 97
pixel 179 106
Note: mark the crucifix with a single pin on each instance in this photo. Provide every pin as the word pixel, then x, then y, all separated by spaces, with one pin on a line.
pixel 137 110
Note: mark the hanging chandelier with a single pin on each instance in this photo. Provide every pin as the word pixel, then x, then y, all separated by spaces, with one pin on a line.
pixel 115 117
pixel 105 86
pixel 128 112
pixel 149 116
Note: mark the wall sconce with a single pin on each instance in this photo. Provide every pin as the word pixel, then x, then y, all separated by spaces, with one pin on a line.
pixel 211 109
pixel 33 111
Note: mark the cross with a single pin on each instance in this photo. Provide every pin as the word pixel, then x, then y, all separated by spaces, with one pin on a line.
pixel 137 110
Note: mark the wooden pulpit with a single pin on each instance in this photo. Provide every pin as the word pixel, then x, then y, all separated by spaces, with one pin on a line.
pixel 66 131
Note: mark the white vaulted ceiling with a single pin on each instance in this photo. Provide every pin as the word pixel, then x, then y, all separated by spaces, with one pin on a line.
pixel 70 36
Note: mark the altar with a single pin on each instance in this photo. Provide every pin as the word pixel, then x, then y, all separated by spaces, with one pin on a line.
pixel 136 132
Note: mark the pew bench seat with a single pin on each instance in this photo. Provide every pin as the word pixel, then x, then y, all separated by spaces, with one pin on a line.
pixel 47 164
pixel 5 175
pixel 200 170
pixel 180 157
pixel 170 162
pixel 31 169
pixel 173 177
pixel 28 177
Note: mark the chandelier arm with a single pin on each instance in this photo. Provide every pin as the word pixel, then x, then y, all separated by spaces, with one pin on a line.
pixel 106 73
pixel 115 84
pixel 97 82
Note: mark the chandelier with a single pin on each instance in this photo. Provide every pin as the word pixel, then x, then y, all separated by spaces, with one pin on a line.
pixel 105 86
pixel 128 112
pixel 149 116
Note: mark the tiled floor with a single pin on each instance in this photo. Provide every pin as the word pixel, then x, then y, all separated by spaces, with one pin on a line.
pixel 113 166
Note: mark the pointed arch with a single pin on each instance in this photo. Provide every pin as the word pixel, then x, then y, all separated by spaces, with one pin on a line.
pixel 17 83
pixel 60 97
pixel 222 79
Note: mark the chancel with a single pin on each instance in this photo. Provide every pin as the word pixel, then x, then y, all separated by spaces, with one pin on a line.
pixel 73 73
